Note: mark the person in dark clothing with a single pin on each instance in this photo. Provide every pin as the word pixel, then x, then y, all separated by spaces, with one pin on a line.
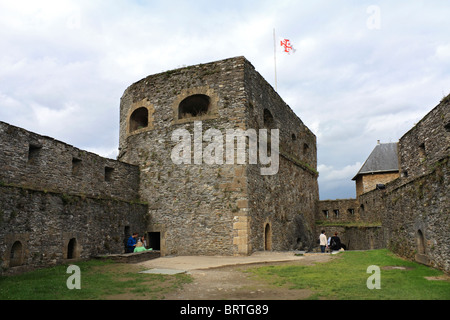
pixel 335 242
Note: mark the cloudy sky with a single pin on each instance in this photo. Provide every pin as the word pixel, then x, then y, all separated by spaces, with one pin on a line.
pixel 362 71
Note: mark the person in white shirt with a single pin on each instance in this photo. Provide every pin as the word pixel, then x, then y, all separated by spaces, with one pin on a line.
pixel 323 241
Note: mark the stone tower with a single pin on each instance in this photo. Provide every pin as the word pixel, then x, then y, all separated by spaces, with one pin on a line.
pixel 198 207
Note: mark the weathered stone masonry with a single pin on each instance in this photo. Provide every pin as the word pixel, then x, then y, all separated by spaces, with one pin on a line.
pixel 43 163
pixel 415 208
pixel 219 209
pixel 59 202
pixel 410 215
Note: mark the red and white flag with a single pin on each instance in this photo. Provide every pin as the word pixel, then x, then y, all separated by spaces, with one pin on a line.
pixel 287 46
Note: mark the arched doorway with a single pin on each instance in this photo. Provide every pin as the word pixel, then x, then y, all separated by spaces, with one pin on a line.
pixel 267 237
pixel 16 256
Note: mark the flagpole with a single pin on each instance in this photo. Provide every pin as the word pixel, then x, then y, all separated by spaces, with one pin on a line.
pixel 275 57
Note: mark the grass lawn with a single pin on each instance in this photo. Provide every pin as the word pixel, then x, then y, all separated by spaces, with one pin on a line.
pixel 99 280
pixel 345 278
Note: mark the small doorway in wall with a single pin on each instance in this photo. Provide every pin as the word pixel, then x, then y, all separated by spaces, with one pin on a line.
pixel 420 242
pixel 72 252
pixel 421 255
pixel 154 240
pixel 16 256
pixel 267 237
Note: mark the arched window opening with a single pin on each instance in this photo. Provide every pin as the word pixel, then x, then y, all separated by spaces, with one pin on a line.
pixel 422 152
pixel 269 121
pixel 267 238
pixel 33 152
pixel 305 148
pixel 420 242
pixel 139 119
pixel 194 106
pixel 72 252
pixel 16 257
pixel 336 213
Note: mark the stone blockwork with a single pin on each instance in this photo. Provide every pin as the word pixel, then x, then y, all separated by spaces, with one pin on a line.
pixel 59 202
pixel 340 210
pixel 411 214
pixel 355 237
pixel 416 215
pixel 34 161
pixel 282 206
pixel 201 208
pixel 416 219
pixel 40 228
pixel 357 229
pixel 414 209
pixel 427 143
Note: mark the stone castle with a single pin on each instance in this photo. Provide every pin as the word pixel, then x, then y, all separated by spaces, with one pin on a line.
pixel 60 203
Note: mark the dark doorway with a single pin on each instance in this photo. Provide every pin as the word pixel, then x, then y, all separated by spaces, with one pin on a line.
pixel 267 238
pixel 16 255
pixel 72 249
pixel 154 240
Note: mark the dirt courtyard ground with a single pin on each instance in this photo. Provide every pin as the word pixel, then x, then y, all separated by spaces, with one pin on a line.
pixel 224 278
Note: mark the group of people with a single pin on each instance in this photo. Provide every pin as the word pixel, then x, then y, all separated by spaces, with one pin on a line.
pixel 136 244
pixel 334 242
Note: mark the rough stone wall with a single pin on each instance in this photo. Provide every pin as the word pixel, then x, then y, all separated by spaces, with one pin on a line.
pixel 417 221
pixel 363 238
pixel 217 208
pixel 286 201
pixel 355 237
pixel 371 206
pixel 35 161
pixel 43 223
pixel 340 210
pixel 47 199
pixel 414 209
pixel 426 143
pixel 193 206
pixel 357 229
